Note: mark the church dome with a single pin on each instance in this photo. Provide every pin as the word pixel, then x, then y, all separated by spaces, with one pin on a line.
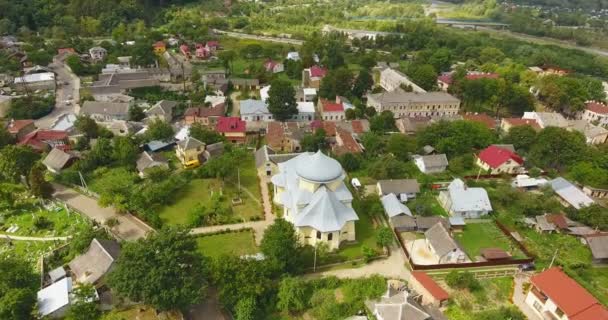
pixel 319 168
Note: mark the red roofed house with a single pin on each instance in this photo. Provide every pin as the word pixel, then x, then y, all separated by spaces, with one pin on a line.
pixel 273 66
pixel 481 75
pixel 185 50
pixel 331 110
pixel 19 128
pixel 212 46
pixel 233 128
pixel 499 160
pixel 507 123
pixel 346 143
pixel 201 52
pixel 595 112
pixel 554 295
pixel 430 291
pixel 311 77
pixel 206 116
pixel 482 118
pixel 444 81
pixel 44 140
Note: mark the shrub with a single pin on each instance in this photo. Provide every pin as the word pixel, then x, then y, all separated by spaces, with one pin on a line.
pixel 462 280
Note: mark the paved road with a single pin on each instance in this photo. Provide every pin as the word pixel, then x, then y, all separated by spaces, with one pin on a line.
pixel 261 38
pixel 129 227
pixel 519 297
pixel 22 238
pixel 63 92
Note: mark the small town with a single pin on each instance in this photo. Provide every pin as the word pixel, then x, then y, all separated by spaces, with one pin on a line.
pixel 303 160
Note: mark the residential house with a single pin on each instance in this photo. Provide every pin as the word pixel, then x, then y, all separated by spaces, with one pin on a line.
pixel 245 84
pixel 149 160
pixel 20 128
pixel 293 55
pixel 397 304
pixel 445 80
pixel 554 295
pixel 546 70
pixel 460 200
pixel 254 110
pixel 273 66
pixel 233 128
pixel 411 125
pixel 306 111
pixel 569 194
pixel 311 190
pixel 593 134
pixel 439 241
pixel 35 81
pixel 496 160
pixel 414 104
pixel 212 46
pixel 214 101
pixel 213 151
pixel 45 140
pixel 432 163
pixel 64 51
pixel 98 261
pixel 267 160
pixel 285 136
pixel 547 119
pixel 507 123
pixel 114 82
pixel 189 152
pixel 159 47
pixel 393 207
pixel 162 110
pixel 596 113
pixel 404 189
pixel 391 80
pixel 207 116
pixel 65 122
pixel 595 192
pixel 57 160
pixel 185 51
pixel 98 53
pixel 331 110
pixel 526 182
pixel 405 223
pixel 105 111
pixel 481 118
pixel 598 243
pixel 55 300
pixel 308 94
pixel 210 75
pixel 159 145
pixel 345 142
pixel 431 292
pixel 201 52
pixel 311 77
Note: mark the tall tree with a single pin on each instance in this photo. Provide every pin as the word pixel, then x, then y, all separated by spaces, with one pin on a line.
pixel 84 306
pixel 198 131
pixel 292 295
pixel 521 137
pixel 282 247
pixel 314 142
pixel 87 126
pixel 557 148
pixel 164 270
pixel 282 100
pixel 125 151
pixel 38 185
pixel 16 161
pixel 383 122
pixel 17 288
pixel 159 130
pixel 363 83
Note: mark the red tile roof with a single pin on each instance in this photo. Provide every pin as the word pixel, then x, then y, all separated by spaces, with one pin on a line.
pixel 559 220
pixel 481 118
pixel 495 156
pixel 66 50
pixel 329 106
pixel 495 254
pixel 430 285
pixel 346 143
pixel 40 139
pixel 357 126
pixel 230 124
pixel 317 72
pixel 330 128
pixel 270 64
pixel 446 78
pixel 274 134
pixel 213 44
pixel 574 300
pixel 481 75
pixel 184 48
pixel 204 112
pixel 516 122
pixel 17 125
pixel 597 107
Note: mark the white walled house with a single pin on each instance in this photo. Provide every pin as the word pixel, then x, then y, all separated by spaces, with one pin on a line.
pixel 254 110
pixel 434 163
pixel 595 112
pixel 496 160
pixel 306 111
pixel 391 80
pixel 462 201
pixel 311 190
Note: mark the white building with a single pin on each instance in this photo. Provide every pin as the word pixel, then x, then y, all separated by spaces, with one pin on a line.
pixel 462 201
pixel 414 104
pixel 306 111
pixel 391 80
pixel 98 53
pixel 434 163
pixel 311 190
pixel 36 81
pixel 595 112
pixel 254 110
pixel 293 55
pixel 54 300
pixel 264 93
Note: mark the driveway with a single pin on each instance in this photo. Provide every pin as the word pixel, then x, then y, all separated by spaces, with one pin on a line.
pixel 129 227
pixel 519 297
pixel 62 93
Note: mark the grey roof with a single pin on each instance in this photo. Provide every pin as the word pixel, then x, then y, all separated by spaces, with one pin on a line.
pixel 468 199
pixel 57 274
pixel 325 212
pixel 156 145
pixel 109 108
pixel 425 223
pixel 266 153
pixel 543 224
pixel 57 159
pixel 440 239
pixel 581 231
pixel 403 222
pixel 570 193
pixel 163 107
pixel 393 207
pixel 428 149
pixel 598 246
pixel 399 186
pixel 214 150
pixel 96 262
pixel 456 221
pixel 148 160
pixel 190 143
pixel 318 167
pixel 400 306
pixel 435 160
pixel 589 130
pixel 244 82
pixel 252 107
pixel 413 97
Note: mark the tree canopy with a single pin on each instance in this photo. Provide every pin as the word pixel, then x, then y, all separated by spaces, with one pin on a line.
pixel 282 100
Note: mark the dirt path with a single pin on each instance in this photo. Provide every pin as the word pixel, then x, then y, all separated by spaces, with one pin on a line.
pixel 23 238
pixel 519 297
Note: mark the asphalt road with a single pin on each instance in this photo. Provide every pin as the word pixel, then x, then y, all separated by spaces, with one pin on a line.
pixel 63 92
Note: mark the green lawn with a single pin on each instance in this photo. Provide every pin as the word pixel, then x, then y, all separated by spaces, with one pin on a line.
pixel 366 236
pixel 428 201
pixel 59 223
pixel 466 305
pixel 27 250
pixel 478 236
pixel 237 243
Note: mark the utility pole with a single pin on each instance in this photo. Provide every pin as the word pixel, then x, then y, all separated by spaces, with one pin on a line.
pixel 83 182
pixel 314 264
pixel 553 259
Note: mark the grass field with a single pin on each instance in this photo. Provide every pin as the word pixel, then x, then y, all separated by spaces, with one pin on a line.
pixel 58 223
pixel 478 236
pixel 366 236
pixel 237 243
pixel 428 200
pixel 494 294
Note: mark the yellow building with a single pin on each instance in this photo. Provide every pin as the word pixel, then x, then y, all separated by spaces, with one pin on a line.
pixel 311 190
pixel 160 47
pixel 189 152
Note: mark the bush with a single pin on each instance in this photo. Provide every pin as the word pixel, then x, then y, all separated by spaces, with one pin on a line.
pixel 42 222
pixel 462 280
